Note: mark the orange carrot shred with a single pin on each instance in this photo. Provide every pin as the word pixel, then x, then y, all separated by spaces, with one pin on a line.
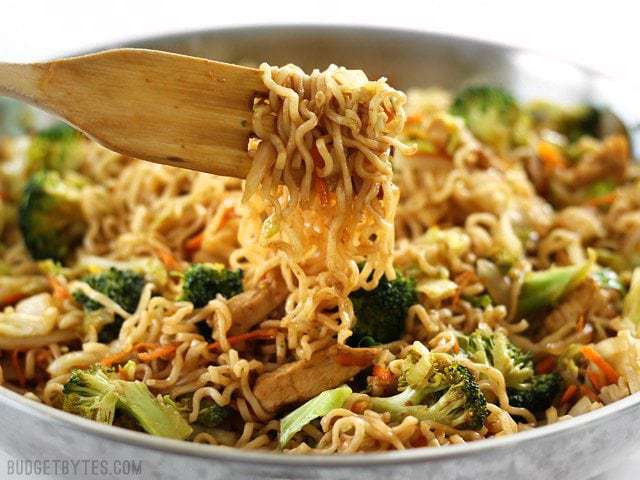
pixel 602 200
pixel 59 291
pixel 194 243
pixel 383 374
pixel 610 373
pixel 587 392
pixel 551 156
pixel 263 334
pixel 568 394
pixel 546 365
pixel 169 260
pixel 15 362
pixel 596 380
pixel 118 357
pixel 165 352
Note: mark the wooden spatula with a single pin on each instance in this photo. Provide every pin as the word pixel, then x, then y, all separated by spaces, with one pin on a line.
pixel 166 108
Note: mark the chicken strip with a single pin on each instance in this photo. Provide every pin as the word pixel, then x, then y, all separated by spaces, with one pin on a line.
pixel 250 308
pixel 299 381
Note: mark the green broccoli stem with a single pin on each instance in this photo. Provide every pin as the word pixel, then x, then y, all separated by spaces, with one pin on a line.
pixel 155 416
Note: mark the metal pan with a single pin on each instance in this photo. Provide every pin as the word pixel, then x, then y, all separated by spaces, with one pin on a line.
pixel 575 449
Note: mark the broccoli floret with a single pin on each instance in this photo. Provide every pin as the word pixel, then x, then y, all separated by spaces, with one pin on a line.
pixel 436 388
pixel 381 312
pixel 491 114
pixel 98 393
pixel 55 148
pixel 495 349
pixel 573 122
pixel 122 286
pixel 538 394
pixel 211 414
pixel 203 282
pixel 50 215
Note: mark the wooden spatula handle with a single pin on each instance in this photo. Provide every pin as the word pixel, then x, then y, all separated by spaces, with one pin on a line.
pixel 167 108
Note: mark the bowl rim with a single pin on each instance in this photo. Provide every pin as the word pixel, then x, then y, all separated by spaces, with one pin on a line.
pixel 242 456
pixel 276 458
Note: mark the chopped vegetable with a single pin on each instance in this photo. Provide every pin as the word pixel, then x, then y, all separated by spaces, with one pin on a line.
pixel 491 113
pixel 203 282
pixel 122 286
pixel 97 393
pixel 309 411
pixel 381 312
pixel 50 215
pixel 545 288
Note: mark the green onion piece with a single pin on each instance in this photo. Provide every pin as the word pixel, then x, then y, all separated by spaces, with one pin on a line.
pixel 314 408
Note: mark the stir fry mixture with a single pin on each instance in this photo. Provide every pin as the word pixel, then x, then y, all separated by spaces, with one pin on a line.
pixel 396 272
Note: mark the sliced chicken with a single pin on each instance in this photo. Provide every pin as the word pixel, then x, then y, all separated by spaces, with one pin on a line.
pixel 299 381
pixel 250 308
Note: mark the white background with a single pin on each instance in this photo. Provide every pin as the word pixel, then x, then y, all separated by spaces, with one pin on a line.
pixel 602 34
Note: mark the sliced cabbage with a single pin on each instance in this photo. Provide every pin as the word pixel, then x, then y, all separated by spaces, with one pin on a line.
pixel 33 316
pixel 623 353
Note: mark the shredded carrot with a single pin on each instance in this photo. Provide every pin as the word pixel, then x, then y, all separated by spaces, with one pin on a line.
pixel 596 380
pixel 610 373
pixel 194 243
pixel 166 257
pixel 383 374
pixel 165 352
pixel 263 334
pixel 413 119
pixel 15 362
pixel 580 323
pixel 118 357
pixel 587 392
pixel 12 298
pixel 602 200
pixel 551 156
pixel 546 365
pixel 568 394
pixel 59 291
pixel 456 346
